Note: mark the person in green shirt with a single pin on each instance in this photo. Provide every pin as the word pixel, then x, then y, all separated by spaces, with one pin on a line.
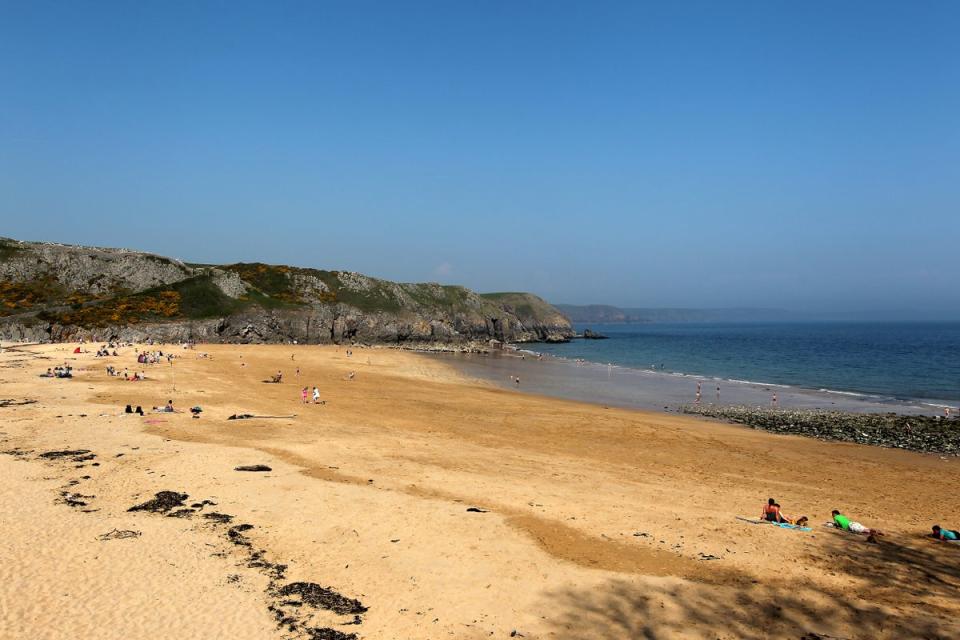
pixel 843 522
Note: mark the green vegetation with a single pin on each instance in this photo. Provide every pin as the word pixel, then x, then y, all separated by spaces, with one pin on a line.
pixel 199 298
pixel 271 280
pixel 95 297
pixel 377 298
pixel 275 282
pixel 120 310
pixel 193 298
pixel 19 297
pixel 523 304
pixel 450 297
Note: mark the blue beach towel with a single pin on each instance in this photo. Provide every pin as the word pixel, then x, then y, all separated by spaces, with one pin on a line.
pixel 782 525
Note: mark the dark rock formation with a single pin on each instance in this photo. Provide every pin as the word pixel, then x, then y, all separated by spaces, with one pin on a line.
pixel 51 292
pixel 590 334
pixel 916 433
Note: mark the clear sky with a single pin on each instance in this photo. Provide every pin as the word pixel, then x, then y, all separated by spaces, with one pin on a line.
pixel 796 155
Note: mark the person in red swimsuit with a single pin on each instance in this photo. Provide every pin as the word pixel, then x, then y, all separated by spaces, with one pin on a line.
pixel 771 512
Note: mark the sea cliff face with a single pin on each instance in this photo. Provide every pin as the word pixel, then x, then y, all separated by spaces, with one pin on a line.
pixel 54 292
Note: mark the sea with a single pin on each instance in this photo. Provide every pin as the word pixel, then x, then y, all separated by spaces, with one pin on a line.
pixel 866 367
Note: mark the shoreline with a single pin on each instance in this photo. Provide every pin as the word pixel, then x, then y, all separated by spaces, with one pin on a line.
pixel 628 387
pixel 442 506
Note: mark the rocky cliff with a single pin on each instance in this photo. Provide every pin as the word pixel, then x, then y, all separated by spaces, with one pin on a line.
pixel 54 292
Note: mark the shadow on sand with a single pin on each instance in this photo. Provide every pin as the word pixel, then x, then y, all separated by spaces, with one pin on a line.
pixel 890 590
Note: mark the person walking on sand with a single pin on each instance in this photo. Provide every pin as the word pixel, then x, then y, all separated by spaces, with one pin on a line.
pixel 316 395
pixel 773 400
pixel 304 394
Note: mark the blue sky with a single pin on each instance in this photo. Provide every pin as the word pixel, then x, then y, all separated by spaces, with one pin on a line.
pixel 804 156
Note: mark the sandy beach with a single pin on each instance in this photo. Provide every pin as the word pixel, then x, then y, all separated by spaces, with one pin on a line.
pixel 419 503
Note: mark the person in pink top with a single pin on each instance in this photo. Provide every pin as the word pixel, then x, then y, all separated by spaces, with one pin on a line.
pixel 304 394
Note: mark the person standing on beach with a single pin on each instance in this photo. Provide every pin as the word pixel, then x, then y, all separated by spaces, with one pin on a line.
pixel 304 393
pixel 773 400
pixel 316 395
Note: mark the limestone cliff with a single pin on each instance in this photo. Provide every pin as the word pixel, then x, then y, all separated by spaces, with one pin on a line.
pixel 62 292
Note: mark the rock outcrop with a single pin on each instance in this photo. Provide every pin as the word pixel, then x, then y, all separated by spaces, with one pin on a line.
pixel 590 334
pixel 53 292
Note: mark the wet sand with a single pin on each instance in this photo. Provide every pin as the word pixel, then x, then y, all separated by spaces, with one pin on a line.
pixel 663 391
pixel 419 503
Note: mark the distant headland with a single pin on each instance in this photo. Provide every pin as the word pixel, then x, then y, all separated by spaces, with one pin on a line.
pixel 55 292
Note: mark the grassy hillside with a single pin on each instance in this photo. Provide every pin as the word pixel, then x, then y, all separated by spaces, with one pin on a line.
pixel 71 287
pixel 193 298
pixel 525 305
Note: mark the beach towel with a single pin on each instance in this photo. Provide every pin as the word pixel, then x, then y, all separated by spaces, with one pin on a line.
pixel 782 525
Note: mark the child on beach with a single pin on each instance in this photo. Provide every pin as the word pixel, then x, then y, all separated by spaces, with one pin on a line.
pixel 303 395
pixel 316 395
pixel 950 535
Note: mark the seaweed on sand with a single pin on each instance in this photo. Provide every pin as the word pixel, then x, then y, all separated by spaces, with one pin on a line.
pixel 162 502
pixel 323 598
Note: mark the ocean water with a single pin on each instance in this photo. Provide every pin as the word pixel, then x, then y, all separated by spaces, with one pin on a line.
pixel 885 361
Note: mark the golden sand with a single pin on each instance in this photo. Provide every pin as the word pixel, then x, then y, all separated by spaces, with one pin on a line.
pixel 591 522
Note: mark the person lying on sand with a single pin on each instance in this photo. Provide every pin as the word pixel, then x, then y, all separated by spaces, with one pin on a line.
pixel 167 409
pixel 950 535
pixel 843 522
pixel 771 512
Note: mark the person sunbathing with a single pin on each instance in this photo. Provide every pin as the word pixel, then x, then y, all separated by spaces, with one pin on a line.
pixel 771 512
pixel 950 535
pixel 843 522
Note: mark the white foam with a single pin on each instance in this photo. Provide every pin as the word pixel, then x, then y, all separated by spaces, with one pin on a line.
pixel 762 384
pixel 843 393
